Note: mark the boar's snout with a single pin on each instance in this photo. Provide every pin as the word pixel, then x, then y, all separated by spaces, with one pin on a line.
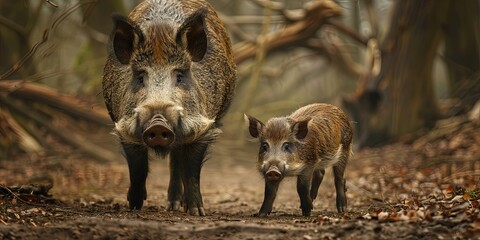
pixel 158 133
pixel 273 173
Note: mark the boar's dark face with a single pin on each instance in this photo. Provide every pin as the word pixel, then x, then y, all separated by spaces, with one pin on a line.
pixel 281 140
pixel 162 96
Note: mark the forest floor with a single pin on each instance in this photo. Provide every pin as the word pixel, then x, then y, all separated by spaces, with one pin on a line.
pixel 425 187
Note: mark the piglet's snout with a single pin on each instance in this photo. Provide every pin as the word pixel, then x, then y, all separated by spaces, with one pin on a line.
pixel 273 173
pixel 158 132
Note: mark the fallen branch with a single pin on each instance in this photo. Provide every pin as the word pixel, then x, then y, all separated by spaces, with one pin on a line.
pixel 71 138
pixel 14 136
pixel 33 194
pixel 51 97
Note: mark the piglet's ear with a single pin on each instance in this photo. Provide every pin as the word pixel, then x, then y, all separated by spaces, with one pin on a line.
pixel 254 125
pixel 192 35
pixel 300 129
pixel 123 38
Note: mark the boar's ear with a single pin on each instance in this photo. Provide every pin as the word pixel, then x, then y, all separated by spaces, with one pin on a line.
pixel 254 125
pixel 123 38
pixel 192 35
pixel 300 129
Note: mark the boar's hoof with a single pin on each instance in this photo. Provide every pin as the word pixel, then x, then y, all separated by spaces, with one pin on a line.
pixel 158 134
pixel 273 175
pixel 261 214
pixel 200 211
pixel 307 213
pixel 174 205
pixel 135 198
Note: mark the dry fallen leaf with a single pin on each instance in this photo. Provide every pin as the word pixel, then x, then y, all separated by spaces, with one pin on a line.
pixel 382 216
pixel 457 199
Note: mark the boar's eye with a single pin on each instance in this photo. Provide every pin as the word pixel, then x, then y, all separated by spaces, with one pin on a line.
pixel 264 147
pixel 138 80
pixel 181 77
pixel 288 147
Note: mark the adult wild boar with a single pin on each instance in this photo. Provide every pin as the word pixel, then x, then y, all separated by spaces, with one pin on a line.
pixel 168 80
pixel 303 144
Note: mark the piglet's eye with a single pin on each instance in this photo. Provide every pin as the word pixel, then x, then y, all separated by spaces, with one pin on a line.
pixel 287 147
pixel 180 77
pixel 264 147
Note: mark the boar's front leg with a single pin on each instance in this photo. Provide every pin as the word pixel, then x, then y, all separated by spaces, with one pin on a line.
pixel 271 188
pixel 175 186
pixel 303 190
pixel 190 159
pixel 137 158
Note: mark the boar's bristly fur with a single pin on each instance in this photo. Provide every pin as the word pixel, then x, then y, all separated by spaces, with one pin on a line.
pixel 168 80
pixel 303 144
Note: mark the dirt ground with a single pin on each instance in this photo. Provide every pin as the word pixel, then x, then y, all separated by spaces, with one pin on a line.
pixel 392 194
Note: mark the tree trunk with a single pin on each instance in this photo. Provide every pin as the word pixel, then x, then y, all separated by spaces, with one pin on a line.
pixel 462 52
pixel 409 51
pixel 401 99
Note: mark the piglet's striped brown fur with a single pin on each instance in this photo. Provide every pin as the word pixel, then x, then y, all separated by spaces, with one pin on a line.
pixel 303 144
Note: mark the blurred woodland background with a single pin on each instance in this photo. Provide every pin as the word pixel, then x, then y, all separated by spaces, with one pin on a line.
pixel 399 68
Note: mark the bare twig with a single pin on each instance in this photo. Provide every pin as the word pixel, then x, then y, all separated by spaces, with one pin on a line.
pixel 13 26
pixel 89 10
pixel 16 196
pixel 45 36
pixel 275 6
pixel 347 31
pixel 280 70
pixel 337 54
pixel 51 3
pixel 26 57
pixel 67 13
pixel 249 19
pixel 234 29
pixel 294 34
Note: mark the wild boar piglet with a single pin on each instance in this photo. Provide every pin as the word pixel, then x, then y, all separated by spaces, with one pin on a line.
pixel 303 144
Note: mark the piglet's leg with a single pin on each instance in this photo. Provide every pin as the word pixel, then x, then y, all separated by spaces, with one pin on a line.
pixel 338 172
pixel 271 188
pixel 317 179
pixel 303 190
